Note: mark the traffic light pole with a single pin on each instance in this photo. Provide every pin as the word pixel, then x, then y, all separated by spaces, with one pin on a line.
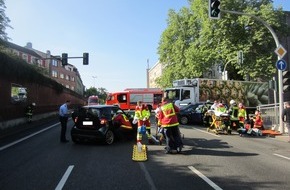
pixel 280 84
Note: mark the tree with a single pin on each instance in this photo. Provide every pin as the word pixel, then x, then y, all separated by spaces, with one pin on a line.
pixel 192 42
pixel 4 23
pixel 100 92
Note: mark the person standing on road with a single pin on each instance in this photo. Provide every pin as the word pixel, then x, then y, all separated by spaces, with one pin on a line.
pixel 142 114
pixel 286 117
pixel 63 118
pixel 169 121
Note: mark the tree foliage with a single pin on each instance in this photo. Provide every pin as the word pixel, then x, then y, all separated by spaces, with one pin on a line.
pixel 192 42
pixel 4 22
pixel 100 92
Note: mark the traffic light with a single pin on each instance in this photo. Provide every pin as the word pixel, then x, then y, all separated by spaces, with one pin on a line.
pixel 286 81
pixel 64 59
pixel 214 9
pixel 85 58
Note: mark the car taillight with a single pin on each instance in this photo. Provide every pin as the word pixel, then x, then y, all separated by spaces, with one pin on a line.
pixel 103 121
pixel 76 119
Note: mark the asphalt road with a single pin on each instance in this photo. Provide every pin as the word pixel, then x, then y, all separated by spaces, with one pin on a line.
pixel 37 160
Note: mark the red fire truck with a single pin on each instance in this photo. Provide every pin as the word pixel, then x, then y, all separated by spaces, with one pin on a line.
pixel 128 98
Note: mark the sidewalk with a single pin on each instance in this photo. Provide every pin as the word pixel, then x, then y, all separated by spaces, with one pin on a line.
pixel 282 137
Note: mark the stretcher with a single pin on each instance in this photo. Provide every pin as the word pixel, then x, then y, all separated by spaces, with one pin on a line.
pixel 139 155
pixel 220 122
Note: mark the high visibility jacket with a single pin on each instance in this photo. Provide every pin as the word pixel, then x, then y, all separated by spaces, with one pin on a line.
pixel 242 114
pixel 167 115
pixel 234 110
pixel 222 109
pixel 258 120
pixel 143 115
pixel 123 120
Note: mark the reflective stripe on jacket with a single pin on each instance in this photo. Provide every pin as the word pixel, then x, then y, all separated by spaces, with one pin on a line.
pixel 167 116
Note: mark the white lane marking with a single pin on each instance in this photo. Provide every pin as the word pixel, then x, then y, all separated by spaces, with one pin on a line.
pixel 282 156
pixel 147 176
pixel 27 137
pixel 211 183
pixel 206 132
pixel 64 178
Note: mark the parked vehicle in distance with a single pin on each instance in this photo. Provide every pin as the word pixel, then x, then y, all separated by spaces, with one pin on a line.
pixel 93 100
pixel 191 113
pixel 95 123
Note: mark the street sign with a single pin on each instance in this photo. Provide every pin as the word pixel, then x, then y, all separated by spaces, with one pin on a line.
pixel 281 65
pixel 280 51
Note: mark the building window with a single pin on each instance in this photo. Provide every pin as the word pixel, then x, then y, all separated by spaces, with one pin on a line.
pixel 25 57
pixel 61 76
pixel 67 86
pixel 66 77
pixel 54 74
pixel 72 78
pixel 54 62
pixel 72 88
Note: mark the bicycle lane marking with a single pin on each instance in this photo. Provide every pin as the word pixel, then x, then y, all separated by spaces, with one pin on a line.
pixel 64 178
pixel 211 183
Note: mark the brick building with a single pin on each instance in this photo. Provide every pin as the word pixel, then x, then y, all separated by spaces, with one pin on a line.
pixel 50 65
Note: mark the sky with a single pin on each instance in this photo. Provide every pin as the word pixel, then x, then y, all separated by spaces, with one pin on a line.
pixel 121 36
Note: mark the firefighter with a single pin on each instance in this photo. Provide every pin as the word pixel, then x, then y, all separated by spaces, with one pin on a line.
pixel 233 111
pixel 123 126
pixel 206 117
pixel 169 121
pixel 142 114
pixel 29 112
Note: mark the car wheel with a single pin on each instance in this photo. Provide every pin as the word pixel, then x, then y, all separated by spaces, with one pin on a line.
pixel 109 137
pixel 183 120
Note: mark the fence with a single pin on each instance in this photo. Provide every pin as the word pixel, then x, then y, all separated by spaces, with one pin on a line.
pixel 270 115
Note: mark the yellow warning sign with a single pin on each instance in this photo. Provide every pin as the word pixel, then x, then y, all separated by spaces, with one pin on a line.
pixel 280 51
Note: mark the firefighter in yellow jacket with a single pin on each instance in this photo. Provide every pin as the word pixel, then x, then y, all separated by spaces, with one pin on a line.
pixel 142 114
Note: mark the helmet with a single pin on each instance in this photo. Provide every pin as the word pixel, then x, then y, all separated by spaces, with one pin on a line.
pixel 208 101
pixel 232 102
pixel 119 111
pixel 33 104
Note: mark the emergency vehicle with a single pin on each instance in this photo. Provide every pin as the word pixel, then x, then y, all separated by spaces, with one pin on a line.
pixel 127 99
pixel 93 100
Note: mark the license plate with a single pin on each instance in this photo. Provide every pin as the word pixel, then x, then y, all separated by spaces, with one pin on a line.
pixel 87 123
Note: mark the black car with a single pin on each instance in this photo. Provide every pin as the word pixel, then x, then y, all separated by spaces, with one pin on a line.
pixel 191 113
pixel 95 123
